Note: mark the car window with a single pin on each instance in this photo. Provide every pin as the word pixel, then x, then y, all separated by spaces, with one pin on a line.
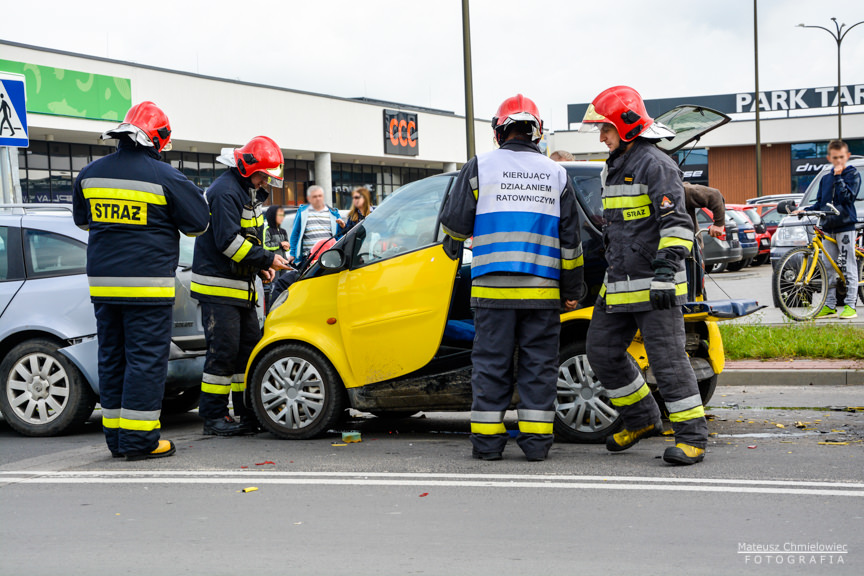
pixel 50 254
pixel 586 182
pixel 772 217
pixel 703 218
pixel 740 218
pixel 407 220
pixel 11 266
pixel 753 215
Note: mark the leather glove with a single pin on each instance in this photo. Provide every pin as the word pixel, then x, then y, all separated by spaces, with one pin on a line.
pixel 662 292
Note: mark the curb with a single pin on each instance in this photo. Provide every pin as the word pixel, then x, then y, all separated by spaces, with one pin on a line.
pixel 774 377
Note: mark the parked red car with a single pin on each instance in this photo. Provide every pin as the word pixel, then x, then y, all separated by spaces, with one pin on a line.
pixel 763 238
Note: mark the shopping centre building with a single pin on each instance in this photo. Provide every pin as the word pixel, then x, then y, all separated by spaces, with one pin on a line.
pixel 338 143
pixel 796 126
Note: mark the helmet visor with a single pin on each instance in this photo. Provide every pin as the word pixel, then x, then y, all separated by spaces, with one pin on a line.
pixel 592 120
pixel 274 175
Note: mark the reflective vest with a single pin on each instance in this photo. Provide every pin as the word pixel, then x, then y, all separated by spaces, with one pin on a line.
pixel 518 214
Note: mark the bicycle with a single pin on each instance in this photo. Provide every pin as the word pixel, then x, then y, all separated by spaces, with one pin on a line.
pixel 801 283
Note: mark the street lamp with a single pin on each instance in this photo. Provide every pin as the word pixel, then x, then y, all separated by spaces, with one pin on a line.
pixel 838 36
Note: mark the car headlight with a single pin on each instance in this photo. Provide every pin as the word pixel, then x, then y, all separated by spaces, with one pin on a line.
pixel 790 236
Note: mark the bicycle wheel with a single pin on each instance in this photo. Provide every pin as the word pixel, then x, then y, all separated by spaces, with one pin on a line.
pixel 800 299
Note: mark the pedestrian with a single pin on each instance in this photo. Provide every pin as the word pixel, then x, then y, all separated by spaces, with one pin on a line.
pixel 697 197
pixel 839 187
pixel 314 221
pixel 648 234
pixel 275 237
pixel 134 206
pixel 520 208
pixel 224 267
pixel 361 206
pixel 562 156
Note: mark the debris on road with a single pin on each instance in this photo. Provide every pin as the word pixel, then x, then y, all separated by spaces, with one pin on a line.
pixel 351 437
pixel 834 443
pixel 752 447
pixel 249 489
pixel 338 444
pixel 423 495
pixel 266 462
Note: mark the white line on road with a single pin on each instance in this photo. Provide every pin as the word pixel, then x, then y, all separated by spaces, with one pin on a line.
pixel 480 481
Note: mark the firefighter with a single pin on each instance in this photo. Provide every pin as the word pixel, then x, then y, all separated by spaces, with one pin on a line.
pixel 647 235
pixel 521 210
pixel 133 204
pixel 227 259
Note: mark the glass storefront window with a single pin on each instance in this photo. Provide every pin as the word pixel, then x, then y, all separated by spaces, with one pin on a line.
pixel 59 153
pixel 37 156
pixel 80 156
pixel 38 186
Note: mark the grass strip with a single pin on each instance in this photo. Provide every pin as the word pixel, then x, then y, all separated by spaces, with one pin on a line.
pixel 804 340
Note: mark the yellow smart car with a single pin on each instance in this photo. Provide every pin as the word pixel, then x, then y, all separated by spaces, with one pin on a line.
pixel 382 323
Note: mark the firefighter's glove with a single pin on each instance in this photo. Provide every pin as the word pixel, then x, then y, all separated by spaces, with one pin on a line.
pixel 662 291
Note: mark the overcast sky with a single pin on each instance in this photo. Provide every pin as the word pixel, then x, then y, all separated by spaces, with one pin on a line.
pixel 410 51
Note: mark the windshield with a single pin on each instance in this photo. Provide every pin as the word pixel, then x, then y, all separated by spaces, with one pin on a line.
pixel 406 220
pixel 740 218
pixel 753 214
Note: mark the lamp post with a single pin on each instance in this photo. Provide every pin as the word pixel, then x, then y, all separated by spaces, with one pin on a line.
pixel 758 100
pixel 838 34
pixel 469 85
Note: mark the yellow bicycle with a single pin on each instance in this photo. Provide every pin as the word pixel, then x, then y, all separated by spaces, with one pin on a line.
pixel 801 283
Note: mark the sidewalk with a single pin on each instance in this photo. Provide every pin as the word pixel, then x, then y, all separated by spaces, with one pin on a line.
pixel 799 372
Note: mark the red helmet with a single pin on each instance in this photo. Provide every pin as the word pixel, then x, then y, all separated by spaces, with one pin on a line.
pixel 623 107
pixel 517 109
pixel 147 125
pixel 260 154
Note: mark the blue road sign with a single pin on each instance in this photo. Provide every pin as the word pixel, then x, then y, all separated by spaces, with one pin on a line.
pixel 13 111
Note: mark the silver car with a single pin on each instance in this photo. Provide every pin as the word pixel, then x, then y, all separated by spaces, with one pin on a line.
pixel 48 347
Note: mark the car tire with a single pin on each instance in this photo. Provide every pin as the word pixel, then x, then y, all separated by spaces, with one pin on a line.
pixel 44 393
pixel 739 265
pixel 181 401
pixel 296 393
pixel 717 268
pixel 761 259
pixel 577 418
pixel 706 388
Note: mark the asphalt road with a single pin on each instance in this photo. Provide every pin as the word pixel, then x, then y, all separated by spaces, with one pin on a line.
pixel 755 282
pixel 409 499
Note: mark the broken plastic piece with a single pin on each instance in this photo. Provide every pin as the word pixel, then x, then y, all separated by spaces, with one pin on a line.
pixel 424 494
pixel 351 437
pixel 250 489
pixel 752 447
pixel 265 463
pixel 338 444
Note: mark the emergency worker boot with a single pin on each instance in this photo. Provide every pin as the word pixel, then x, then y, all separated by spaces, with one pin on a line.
pixel 249 424
pixel 225 426
pixel 488 456
pixel 164 449
pixel 683 454
pixel 626 438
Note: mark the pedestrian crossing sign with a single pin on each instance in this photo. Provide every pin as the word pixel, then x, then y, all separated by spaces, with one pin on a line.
pixel 13 111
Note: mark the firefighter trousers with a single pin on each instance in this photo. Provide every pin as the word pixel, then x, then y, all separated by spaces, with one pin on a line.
pixel 498 333
pixel 231 332
pixel 609 336
pixel 134 343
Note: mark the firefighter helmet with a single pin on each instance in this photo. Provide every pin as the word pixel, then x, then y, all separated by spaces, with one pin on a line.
pixel 260 154
pixel 147 125
pixel 623 107
pixel 517 109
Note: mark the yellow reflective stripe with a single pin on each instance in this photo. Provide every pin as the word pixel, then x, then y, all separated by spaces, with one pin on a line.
pixel 618 202
pixel 603 290
pixel 483 428
pixel 242 251
pixel 476 193
pixel 215 388
pixel 697 412
pixel 515 293
pixel 536 427
pixel 631 398
pixel 132 291
pixel 571 264
pixel 220 291
pixel 254 223
pixel 142 425
pixel 120 194
pixel 110 422
pixel 670 241
pixel 238 386
pixel 638 296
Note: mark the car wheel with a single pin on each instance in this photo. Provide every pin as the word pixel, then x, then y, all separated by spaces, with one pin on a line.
pixel 706 388
pixel 717 268
pixel 296 393
pixel 736 266
pixel 180 401
pixel 44 393
pixel 582 409
pixel 761 259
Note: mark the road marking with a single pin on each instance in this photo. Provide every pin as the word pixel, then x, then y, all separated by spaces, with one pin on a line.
pixel 180 477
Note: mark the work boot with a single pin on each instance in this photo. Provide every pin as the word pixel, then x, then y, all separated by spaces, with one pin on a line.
pixel 164 449
pixel 848 313
pixel 488 456
pixel 626 438
pixel 826 312
pixel 225 426
pixel 249 424
pixel 683 454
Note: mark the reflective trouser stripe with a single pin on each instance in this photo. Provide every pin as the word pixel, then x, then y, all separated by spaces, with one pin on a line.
pixel 131 287
pixel 142 425
pixel 516 293
pixel 215 384
pixel 238 383
pixel 111 417
pixel 697 412
pixel 686 409
pixel 536 421
pixel 131 419
pixel 487 422
pixel 629 394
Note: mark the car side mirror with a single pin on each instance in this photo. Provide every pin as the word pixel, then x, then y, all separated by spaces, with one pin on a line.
pixel 332 259
pixel 786 206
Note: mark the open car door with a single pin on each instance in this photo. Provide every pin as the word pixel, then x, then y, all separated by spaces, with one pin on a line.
pixel 689 123
pixel 394 299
